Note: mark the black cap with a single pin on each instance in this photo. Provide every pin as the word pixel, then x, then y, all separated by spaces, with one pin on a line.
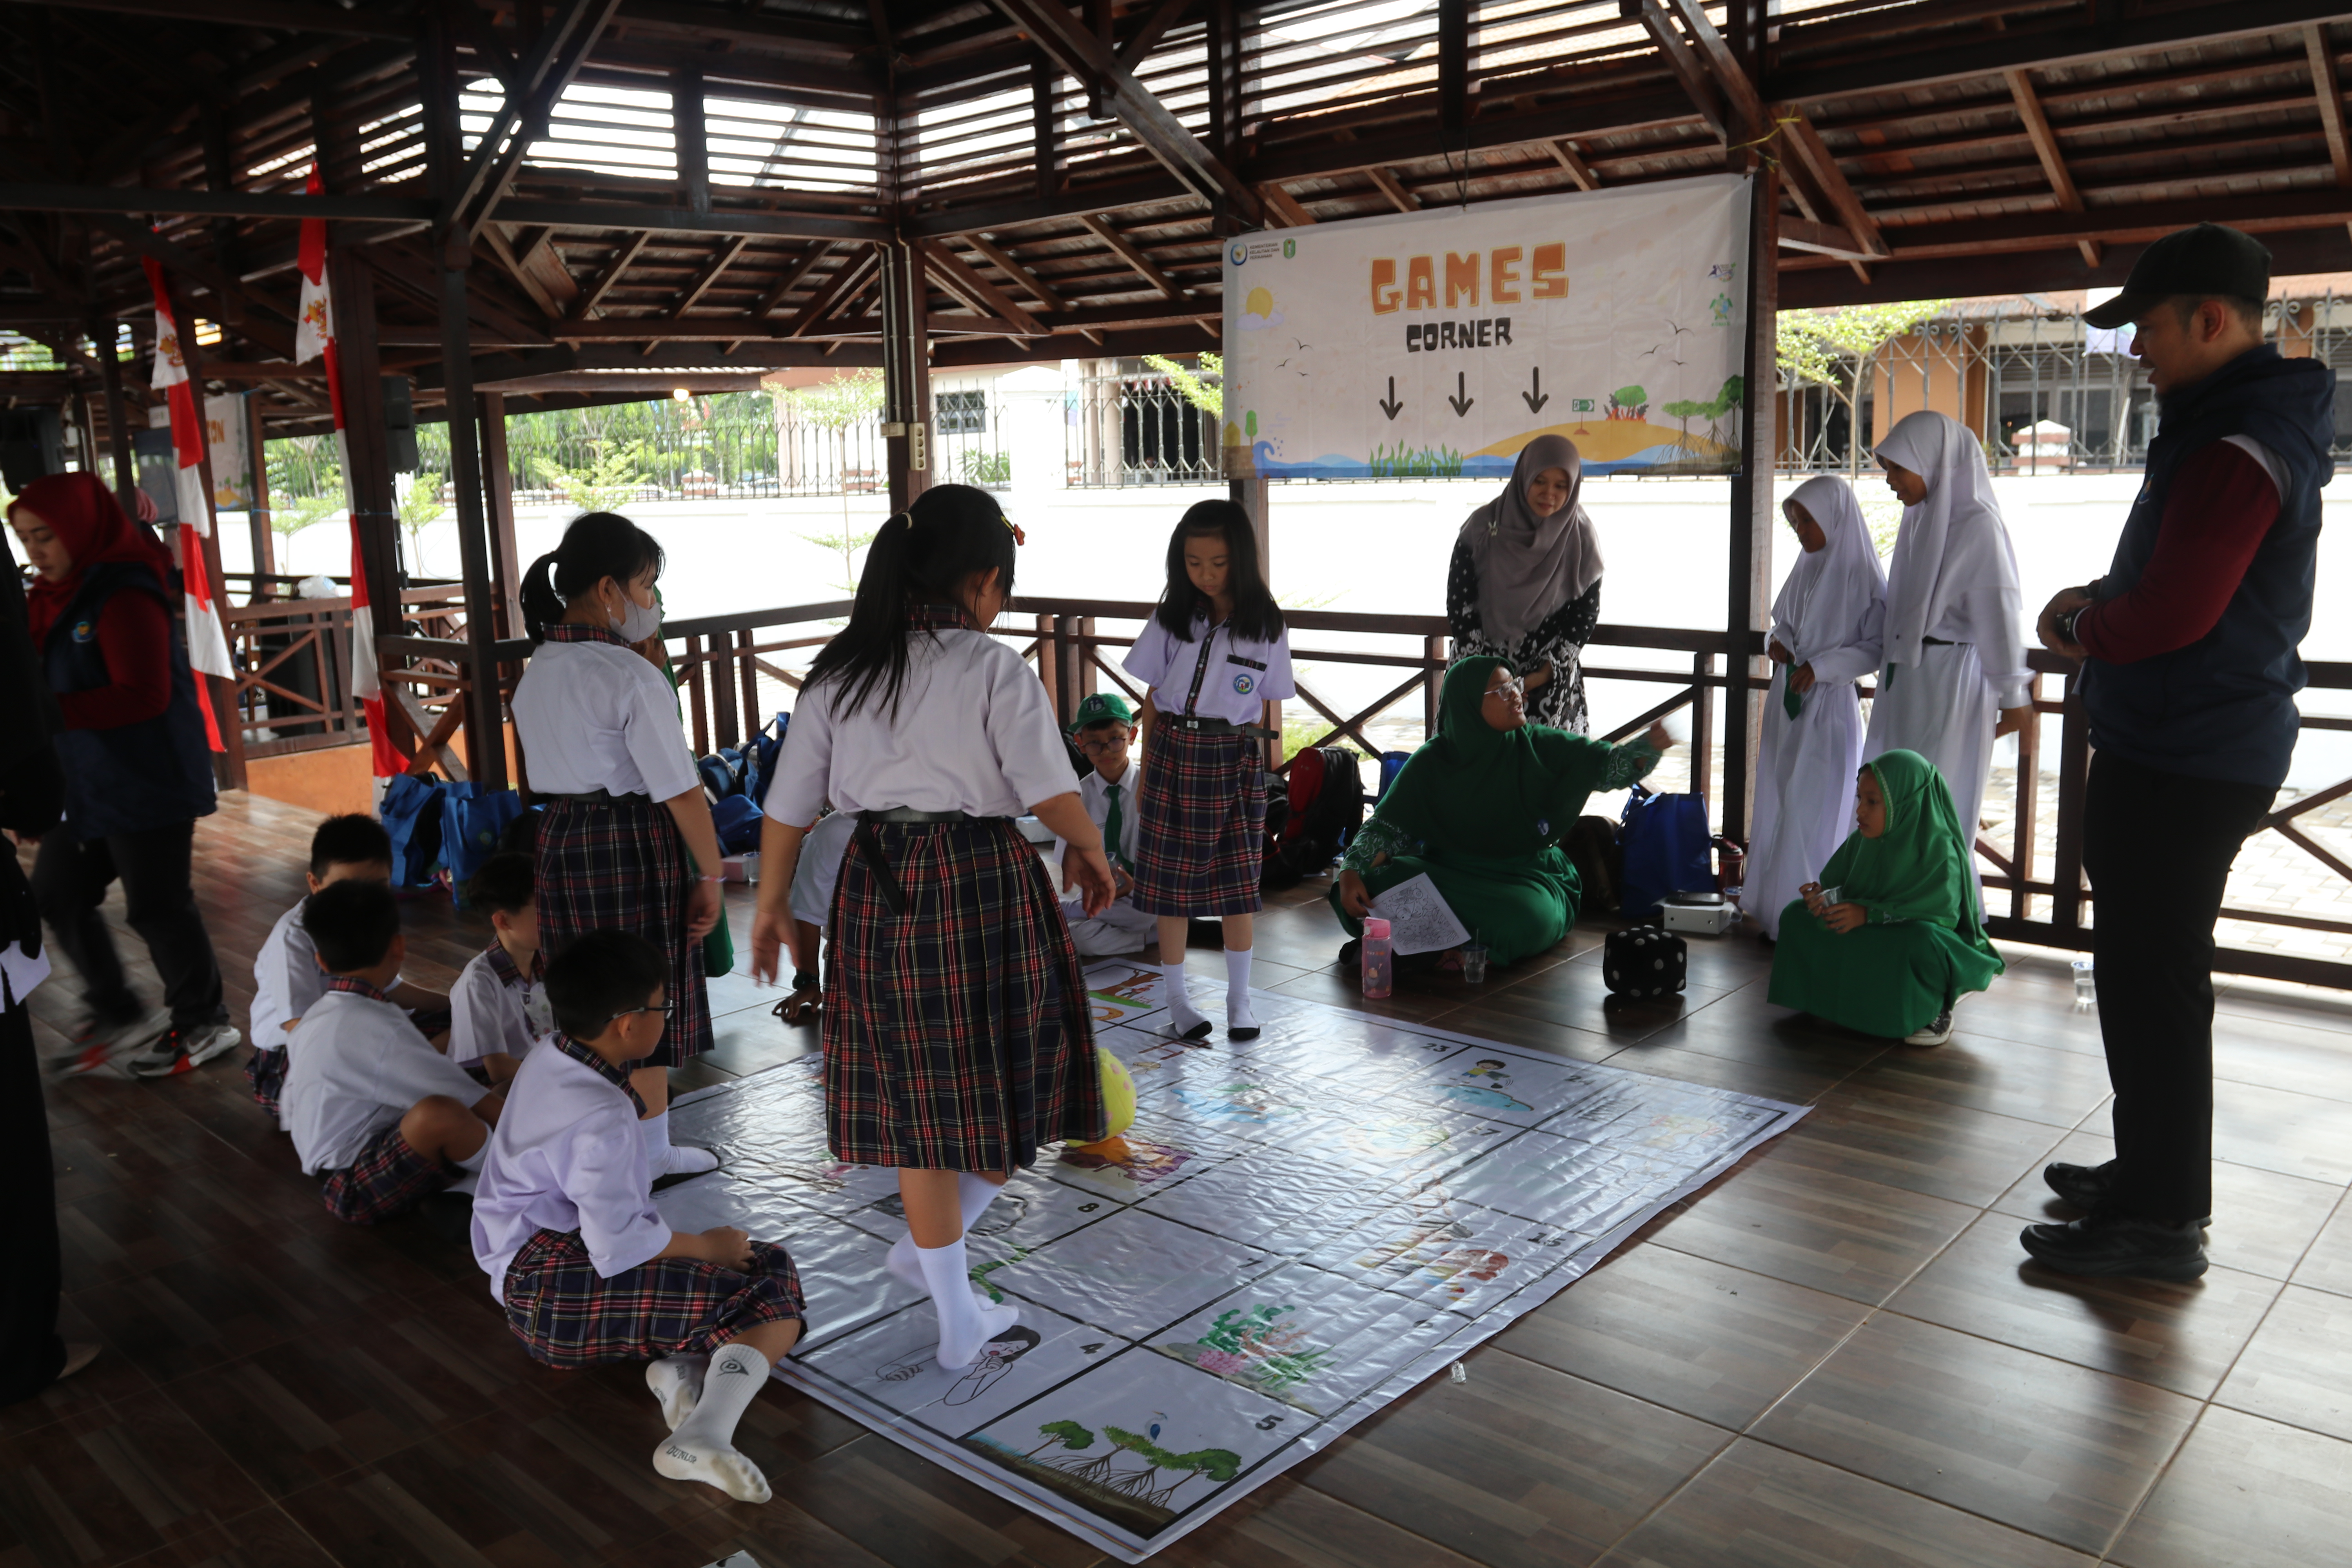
pixel 2207 259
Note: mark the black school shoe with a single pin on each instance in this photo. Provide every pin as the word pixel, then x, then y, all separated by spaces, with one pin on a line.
pixel 2118 1244
pixel 2087 1187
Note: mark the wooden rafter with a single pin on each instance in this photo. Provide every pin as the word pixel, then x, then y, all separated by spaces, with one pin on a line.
pixel 2329 90
pixel 622 260
pixel 720 262
pixel 1564 152
pixel 1004 263
pixel 1130 252
pixel 1388 184
pixel 957 278
pixel 831 293
pixel 2045 147
pixel 1285 205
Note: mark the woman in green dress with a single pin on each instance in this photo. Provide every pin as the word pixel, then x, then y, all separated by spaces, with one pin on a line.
pixel 1481 808
pixel 1899 944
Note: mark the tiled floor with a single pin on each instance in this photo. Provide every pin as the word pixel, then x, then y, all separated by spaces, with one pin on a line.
pixel 1833 1355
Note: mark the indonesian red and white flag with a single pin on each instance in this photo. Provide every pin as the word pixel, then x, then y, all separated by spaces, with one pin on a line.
pixel 207 643
pixel 314 335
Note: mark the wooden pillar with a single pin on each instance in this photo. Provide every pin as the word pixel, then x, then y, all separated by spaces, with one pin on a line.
pixel 265 552
pixel 906 373
pixel 1041 115
pixel 103 339
pixel 498 491
pixel 690 134
pixel 1748 582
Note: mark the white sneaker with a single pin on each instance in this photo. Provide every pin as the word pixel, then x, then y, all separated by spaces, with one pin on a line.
pixel 1935 1033
pixel 105 1050
pixel 182 1050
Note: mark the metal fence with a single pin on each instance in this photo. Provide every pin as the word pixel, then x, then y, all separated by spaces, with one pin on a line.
pixel 2048 394
pixel 1139 427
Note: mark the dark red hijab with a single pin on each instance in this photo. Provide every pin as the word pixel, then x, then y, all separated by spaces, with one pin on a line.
pixel 90 523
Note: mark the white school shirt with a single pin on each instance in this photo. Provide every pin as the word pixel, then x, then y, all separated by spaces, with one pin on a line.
pixel 596 715
pixel 494 1010
pixel 973 732
pixel 819 867
pixel 358 1066
pixel 566 1155
pixel 1094 793
pixel 287 980
pixel 1237 674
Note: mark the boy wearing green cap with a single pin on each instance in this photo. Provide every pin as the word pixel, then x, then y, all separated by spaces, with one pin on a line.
pixel 1104 733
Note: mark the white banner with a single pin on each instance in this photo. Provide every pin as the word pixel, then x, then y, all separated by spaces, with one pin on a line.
pixel 230 450
pixel 1440 343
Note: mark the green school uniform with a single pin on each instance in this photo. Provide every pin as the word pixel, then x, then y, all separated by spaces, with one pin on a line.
pixel 1922 949
pixel 1482 811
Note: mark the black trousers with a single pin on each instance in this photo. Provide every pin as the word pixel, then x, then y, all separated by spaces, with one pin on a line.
pixel 69 881
pixel 30 1351
pixel 2158 847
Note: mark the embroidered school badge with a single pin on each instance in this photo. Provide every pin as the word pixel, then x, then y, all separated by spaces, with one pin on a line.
pixel 1244 684
pixel 83 631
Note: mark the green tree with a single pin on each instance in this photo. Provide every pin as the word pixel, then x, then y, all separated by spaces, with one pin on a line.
pixel 836 406
pixel 1197 389
pixel 1068 1434
pixel 288 519
pixel 612 478
pixel 420 508
pixel 1683 410
pixel 1834 349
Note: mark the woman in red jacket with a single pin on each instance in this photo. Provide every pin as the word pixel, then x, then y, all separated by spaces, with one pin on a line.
pixel 138 773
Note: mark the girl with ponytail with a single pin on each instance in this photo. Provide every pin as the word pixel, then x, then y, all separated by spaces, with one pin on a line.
pixel 957 1039
pixel 626 843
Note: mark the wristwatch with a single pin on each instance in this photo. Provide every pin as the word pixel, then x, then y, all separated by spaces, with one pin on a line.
pixel 2066 623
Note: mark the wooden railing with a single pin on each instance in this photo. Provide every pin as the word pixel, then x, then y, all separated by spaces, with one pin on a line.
pixel 293 659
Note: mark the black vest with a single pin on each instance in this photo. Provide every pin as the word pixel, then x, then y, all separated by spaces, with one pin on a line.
pixel 2223 707
pixel 153 773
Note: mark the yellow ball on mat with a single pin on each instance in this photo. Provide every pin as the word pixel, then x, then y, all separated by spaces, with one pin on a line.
pixel 1118 1094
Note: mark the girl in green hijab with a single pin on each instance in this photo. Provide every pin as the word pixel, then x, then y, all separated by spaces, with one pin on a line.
pixel 1481 808
pixel 1901 944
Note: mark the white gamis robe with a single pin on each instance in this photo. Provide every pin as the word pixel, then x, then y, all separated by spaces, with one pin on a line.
pixel 1829 613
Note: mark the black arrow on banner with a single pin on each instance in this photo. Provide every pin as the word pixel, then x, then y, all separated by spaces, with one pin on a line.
pixel 1461 400
pixel 1537 397
pixel 1390 406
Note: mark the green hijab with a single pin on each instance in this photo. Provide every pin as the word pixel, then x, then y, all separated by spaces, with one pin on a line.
pixel 1476 790
pixel 1918 868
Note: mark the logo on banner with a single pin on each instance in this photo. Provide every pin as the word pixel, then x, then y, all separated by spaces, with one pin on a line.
pixel 1289 249
pixel 1239 253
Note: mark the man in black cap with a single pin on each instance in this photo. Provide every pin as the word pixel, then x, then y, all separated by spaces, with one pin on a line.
pixel 2189 673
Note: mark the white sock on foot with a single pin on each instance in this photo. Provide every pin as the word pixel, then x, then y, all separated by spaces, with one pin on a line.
pixel 1182 1017
pixel 966 1322
pixel 677 1382
pixel 471 1165
pixel 664 1157
pixel 1240 1021
pixel 703 1446
pixel 973 1195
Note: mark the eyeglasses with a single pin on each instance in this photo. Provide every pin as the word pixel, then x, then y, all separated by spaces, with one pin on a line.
pixel 1515 686
pixel 667 1010
pixel 1100 743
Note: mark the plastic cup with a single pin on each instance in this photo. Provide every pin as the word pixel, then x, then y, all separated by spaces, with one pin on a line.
pixel 1474 964
pixel 2087 989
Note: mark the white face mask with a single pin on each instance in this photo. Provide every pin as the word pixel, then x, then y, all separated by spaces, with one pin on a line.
pixel 638 622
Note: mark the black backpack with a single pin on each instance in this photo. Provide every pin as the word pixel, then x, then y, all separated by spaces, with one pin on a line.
pixel 1326 804
pixel 1592 849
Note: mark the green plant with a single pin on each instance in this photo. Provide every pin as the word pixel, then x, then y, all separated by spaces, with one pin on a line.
pixel 421 507
pixel 1195 387
pixel 1399 463
pixel 985 467
pixel 293 517
pixel 1833 349
pixel 612 478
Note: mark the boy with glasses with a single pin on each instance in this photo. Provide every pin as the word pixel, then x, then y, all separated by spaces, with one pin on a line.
pixel 1104 733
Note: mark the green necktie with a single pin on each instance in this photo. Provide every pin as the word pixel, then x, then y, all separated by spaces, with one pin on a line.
pixel 1111 833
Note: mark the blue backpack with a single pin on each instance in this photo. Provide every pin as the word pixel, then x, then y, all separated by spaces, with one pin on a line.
pixel 472 826
pixel 411 814
pixel 1665 842
pixel 759 754
pixel 738 818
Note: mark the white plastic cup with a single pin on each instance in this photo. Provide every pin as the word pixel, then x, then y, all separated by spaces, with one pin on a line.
pixel 1474 964
pixel 2086 988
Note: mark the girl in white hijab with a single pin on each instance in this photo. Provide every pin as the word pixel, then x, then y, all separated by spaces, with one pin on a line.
pixel 1525 584
pixel 1955 677
pixel 1826 630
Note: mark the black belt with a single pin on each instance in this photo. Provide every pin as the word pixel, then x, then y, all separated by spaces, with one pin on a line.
pixel 598 797
pixel 1218 726
pixel 1940 642
pixel 870 843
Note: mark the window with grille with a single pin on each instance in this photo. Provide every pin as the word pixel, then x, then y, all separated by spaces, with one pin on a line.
pixel 959 413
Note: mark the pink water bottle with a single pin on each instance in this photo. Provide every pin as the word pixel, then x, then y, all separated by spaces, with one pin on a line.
pixel 1380 961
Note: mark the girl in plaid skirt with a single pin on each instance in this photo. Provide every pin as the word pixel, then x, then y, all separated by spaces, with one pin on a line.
pixel 957 1039
pixel 626 843
pixel 1214 654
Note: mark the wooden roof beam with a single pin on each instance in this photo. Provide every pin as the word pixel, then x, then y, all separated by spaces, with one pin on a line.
pixel 1284 205
pixel 1739 95
pixel 1565 155
pixel 1813 159
pixel 1004 263
pixel 2330 93
pixel 494 240
pixel 1073 45
pixel 1146 38
pixel 710 275
pixel 1697 82
pixel 957 278
pixel 789 280
pixel 2045 147
pixel 623 255
pixel 831 291
pixel 554 58
pixel 1822 239
pixel 1131 253
pixel 1388 185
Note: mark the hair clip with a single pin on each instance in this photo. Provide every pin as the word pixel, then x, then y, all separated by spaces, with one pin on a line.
pixel 1018 537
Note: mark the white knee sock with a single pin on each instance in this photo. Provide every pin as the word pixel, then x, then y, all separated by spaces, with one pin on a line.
pixel 1240 1021
pixel 471 1165
pixel 973 1195
pixel 1182 1017
pixel 677 1382
pixel 703 1446
pixel 966 1323
pixel 664 1157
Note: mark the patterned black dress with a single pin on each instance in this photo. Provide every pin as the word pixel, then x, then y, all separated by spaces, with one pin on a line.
pixel 1558 640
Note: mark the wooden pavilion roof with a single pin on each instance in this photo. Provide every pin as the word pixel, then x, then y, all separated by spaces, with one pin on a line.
pixel 700 188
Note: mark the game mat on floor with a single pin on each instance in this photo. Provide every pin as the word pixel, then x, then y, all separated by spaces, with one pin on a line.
pixel 1298 1229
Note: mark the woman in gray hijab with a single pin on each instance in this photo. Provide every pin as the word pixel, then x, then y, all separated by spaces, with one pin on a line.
pixel 1525 585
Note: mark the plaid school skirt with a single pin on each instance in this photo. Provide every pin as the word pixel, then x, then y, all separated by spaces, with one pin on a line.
pixel 1200 840
pixel 386 1181
pixel 957 1035
pixel 623 866
pixel 265 1071
pixel 569 1316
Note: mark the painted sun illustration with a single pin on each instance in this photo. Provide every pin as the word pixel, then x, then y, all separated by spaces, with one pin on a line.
pixel 1259 303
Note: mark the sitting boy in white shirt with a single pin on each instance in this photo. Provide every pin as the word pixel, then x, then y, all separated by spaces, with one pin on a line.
pixel 1104 731
pixel 286 975
pixel 498 1009
pixel 815 875
pixel 384 1118
pixel 585 1267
